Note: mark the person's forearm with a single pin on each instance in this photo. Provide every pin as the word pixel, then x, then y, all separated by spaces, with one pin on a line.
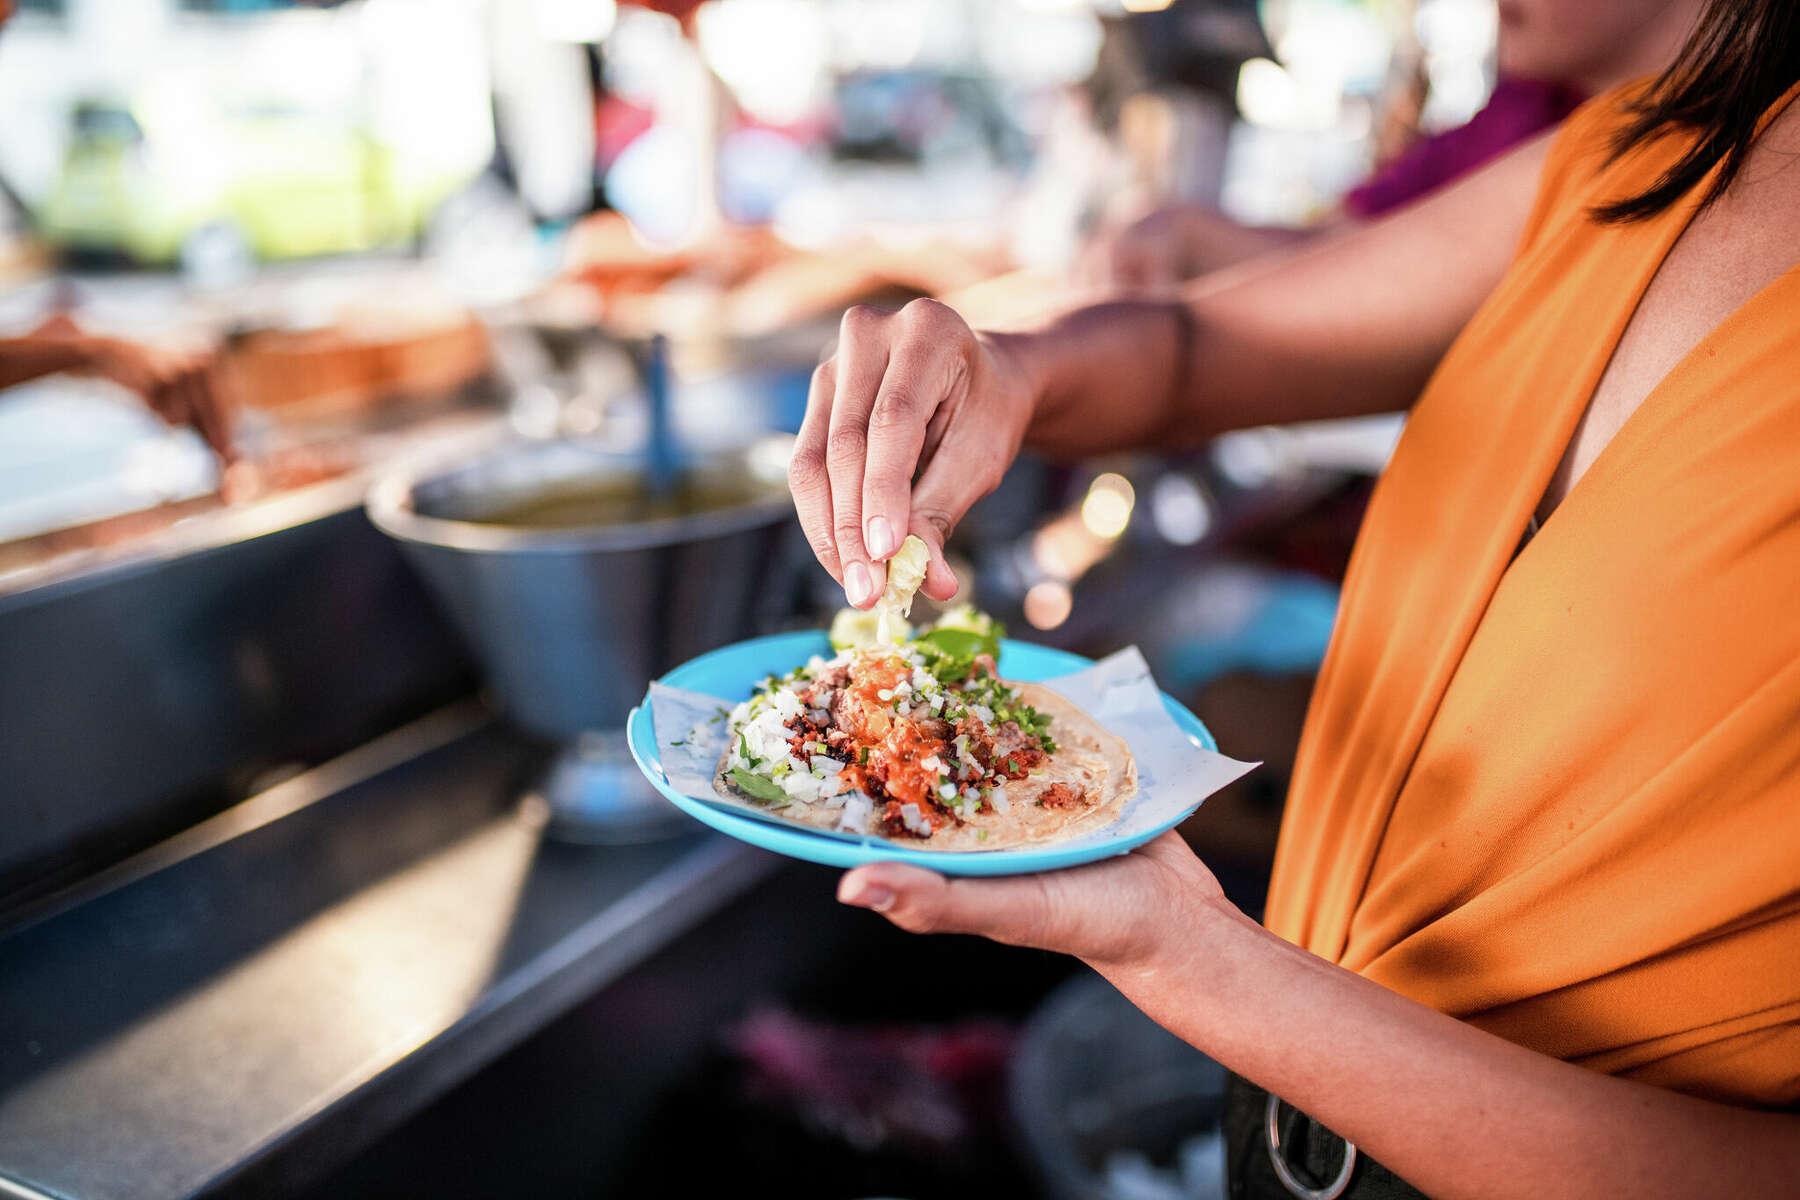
pixel 1351 324
pixel 27 358
pixel 1214 241
pixel 1455 1111
pixel 1104 377
pixel 1170 374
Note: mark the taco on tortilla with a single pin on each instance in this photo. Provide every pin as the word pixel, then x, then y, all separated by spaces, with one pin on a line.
pixel 922 741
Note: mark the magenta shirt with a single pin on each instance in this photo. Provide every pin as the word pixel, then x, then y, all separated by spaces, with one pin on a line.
pixel 1517 110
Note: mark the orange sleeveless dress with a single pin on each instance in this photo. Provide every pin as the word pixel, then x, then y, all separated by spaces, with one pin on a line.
pixel 1558 795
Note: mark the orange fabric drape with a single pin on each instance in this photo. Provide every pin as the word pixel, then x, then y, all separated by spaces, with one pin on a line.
pixel 1558 796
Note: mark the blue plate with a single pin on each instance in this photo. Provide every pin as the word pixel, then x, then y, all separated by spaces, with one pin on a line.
pixel 730 673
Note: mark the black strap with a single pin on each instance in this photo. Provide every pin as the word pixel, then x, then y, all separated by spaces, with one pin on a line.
pixel 1312 1150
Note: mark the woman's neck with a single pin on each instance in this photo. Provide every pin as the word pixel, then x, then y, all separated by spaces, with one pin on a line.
pixel 1655 45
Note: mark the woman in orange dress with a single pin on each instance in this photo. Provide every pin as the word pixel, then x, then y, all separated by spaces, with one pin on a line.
pixel 1534 927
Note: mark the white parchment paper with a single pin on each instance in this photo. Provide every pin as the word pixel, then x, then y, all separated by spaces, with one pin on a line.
pixel 1174 772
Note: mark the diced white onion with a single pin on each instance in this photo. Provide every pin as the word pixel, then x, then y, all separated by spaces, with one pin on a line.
pixel 998 799
pixel 947 791
pixel 800 785
pixel 824 765
pixel 858 808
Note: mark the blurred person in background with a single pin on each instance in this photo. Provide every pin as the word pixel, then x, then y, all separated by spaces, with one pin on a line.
pixel 181 387
pixel 1552 55
pixel 1532 924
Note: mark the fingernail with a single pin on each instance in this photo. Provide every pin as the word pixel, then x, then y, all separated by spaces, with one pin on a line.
pixel 881 537
pixel 874 897
pixel 856 583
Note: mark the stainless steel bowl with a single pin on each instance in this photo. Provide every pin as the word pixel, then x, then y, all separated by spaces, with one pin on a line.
pixel 570 624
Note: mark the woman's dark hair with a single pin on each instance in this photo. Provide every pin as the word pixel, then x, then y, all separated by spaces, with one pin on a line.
pixel 1740 58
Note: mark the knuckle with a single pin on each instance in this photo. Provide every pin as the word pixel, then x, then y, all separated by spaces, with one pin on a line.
pixel 825 551
pixel 847 444
pixel 916 310
pixel 806 472
pixel 935 519
pixel 861 317
pixel 823 547
pixel 957 371
pixel 927 311
pixel 847 529
pixel 885 480
pixel 897 407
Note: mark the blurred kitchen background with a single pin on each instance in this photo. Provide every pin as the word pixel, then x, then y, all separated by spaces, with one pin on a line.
pixel 274 918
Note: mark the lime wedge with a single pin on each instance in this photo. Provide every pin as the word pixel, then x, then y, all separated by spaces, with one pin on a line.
pixel 905 572
pixel 854 629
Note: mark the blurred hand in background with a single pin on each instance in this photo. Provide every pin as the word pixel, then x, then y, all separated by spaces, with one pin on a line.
pixel 1178 242
pixel 181 386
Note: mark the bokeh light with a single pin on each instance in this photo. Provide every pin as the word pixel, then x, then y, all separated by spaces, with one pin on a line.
pixel 1048 603
pixel 1180 510
pixel 1107 509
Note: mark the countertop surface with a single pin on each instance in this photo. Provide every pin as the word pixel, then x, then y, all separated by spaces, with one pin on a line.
pixel 253 1002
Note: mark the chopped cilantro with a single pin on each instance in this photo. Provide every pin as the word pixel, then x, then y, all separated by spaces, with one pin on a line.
pixel 950 653
pixel 757 787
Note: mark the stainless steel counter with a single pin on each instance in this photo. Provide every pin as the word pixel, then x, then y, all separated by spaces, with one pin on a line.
pixel 272 990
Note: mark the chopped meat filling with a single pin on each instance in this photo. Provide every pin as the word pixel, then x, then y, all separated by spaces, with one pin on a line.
pixel 935 727
pixel 808 735
pixel 822 690
pixel 900 819
pixel 1016 753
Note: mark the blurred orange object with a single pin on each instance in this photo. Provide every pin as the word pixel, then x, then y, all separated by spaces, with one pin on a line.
pixel 339 369
pixel 745 281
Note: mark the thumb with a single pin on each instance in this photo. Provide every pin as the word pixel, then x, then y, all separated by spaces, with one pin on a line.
pixel 940 581
pixel 1014 910
pixel 944 493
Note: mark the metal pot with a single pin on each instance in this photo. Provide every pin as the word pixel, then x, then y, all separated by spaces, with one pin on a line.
pixel 571 623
